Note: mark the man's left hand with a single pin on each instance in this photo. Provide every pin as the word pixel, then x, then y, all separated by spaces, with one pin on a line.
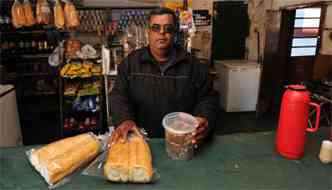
pixel 201 131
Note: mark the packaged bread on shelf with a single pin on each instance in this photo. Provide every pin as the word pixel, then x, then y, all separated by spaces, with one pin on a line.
pixel 60 158
pixel 43 12
pixel 71 15
pixel 130 161
pixel 17 11
pixel 28 13
pixel 59 17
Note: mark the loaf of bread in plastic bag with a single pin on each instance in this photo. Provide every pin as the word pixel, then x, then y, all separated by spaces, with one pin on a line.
pixel 17 11
pixel 58 159
pixel 43 12
pixel 71 15
pixel 59 17
pixel 28 13
pixel 129 162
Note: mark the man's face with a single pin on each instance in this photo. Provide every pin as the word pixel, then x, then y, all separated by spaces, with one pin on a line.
pixel 161 32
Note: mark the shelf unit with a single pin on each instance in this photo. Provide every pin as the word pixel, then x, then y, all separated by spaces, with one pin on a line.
pixel 40 88
pixel 24 54
pixel 81 106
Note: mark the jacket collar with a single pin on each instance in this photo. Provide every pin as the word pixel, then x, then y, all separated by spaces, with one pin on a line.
pixel 181 54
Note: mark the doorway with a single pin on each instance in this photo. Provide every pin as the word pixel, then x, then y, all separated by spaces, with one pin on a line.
pixel 291 48
pixel 303 44
pixel 230 29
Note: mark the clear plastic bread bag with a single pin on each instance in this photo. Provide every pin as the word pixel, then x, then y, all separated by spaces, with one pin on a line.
pixel 28 13
pixel 97 167
pixel 59 17
pixel 58 161
pixel 71 15
pixel 17 11
pixel 43 12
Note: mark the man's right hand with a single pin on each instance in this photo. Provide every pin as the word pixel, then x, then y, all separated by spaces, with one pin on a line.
pixel 121 132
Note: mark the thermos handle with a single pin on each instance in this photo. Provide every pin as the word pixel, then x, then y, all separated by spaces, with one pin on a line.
pixel 317 107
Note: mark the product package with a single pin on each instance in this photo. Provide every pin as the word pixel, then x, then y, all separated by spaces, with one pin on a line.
pixel 17 11
pixel 125 162
pixel 58 160
pixel 71 15
pixel 59 17
pixel 28 13
pixel 43 12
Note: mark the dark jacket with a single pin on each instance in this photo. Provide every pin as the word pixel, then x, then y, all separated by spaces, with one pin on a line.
pixel 145 94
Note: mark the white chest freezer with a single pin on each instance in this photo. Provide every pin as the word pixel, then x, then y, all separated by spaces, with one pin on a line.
pixel 238 84
pixel 10 130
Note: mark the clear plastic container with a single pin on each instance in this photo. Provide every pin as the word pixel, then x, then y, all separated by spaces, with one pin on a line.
pixel 179 127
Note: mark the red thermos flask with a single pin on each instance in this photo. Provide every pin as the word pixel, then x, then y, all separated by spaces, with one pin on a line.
pixel 293 122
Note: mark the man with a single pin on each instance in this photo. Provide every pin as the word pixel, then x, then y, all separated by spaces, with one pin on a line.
pixel 160 79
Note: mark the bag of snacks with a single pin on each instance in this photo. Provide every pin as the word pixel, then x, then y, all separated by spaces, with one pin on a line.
pixel 29 18
pixel 43 12
pixel 59 18
pixel 18 17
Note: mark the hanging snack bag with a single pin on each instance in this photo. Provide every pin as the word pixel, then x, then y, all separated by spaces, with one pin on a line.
pixel 18 17
pixel 59 18
pixel 43 12
pixel 29 18
pixel 71 15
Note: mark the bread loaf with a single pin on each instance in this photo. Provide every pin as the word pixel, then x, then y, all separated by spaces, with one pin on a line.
pixel 43 12
pixel 59 17
pixel 17 11
pixel 56 160
pixel 129 162
pixel 71 15
pixel 29 18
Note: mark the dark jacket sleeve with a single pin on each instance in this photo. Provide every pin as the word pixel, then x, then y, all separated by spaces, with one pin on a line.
pixel 121 108
pixel 207 99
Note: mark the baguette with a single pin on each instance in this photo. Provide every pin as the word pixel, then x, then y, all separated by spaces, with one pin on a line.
pixel 116 166
pixel 130 161
pixel 140 162
pixel 58 159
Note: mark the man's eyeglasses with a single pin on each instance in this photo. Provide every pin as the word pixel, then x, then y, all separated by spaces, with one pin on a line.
pixel 167 28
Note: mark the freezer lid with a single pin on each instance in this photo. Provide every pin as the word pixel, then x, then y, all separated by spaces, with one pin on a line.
pixel 5 89
pixel 238 64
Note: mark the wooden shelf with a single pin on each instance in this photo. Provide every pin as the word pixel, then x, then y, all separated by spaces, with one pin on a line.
pixel 34 74
pixel 38 55
pixel 85 78
pixel 34 93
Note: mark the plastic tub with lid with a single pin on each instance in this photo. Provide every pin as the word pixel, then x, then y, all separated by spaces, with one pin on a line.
pixel 179 127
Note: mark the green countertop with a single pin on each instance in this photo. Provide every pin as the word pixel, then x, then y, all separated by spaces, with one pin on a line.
pixel 238 161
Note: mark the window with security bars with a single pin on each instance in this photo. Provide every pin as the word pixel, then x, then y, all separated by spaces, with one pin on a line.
pixel 306 32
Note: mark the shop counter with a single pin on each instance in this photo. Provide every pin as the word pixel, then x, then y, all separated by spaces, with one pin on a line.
pixel 237 161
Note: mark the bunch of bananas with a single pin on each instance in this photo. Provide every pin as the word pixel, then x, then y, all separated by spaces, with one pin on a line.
pixel 83 70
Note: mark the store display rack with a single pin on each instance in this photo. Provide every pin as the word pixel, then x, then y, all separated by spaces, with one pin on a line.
pixel 46 110
pixel 81 96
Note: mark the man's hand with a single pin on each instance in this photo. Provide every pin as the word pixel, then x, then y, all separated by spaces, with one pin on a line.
pixel 201 131
pixel 121 132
